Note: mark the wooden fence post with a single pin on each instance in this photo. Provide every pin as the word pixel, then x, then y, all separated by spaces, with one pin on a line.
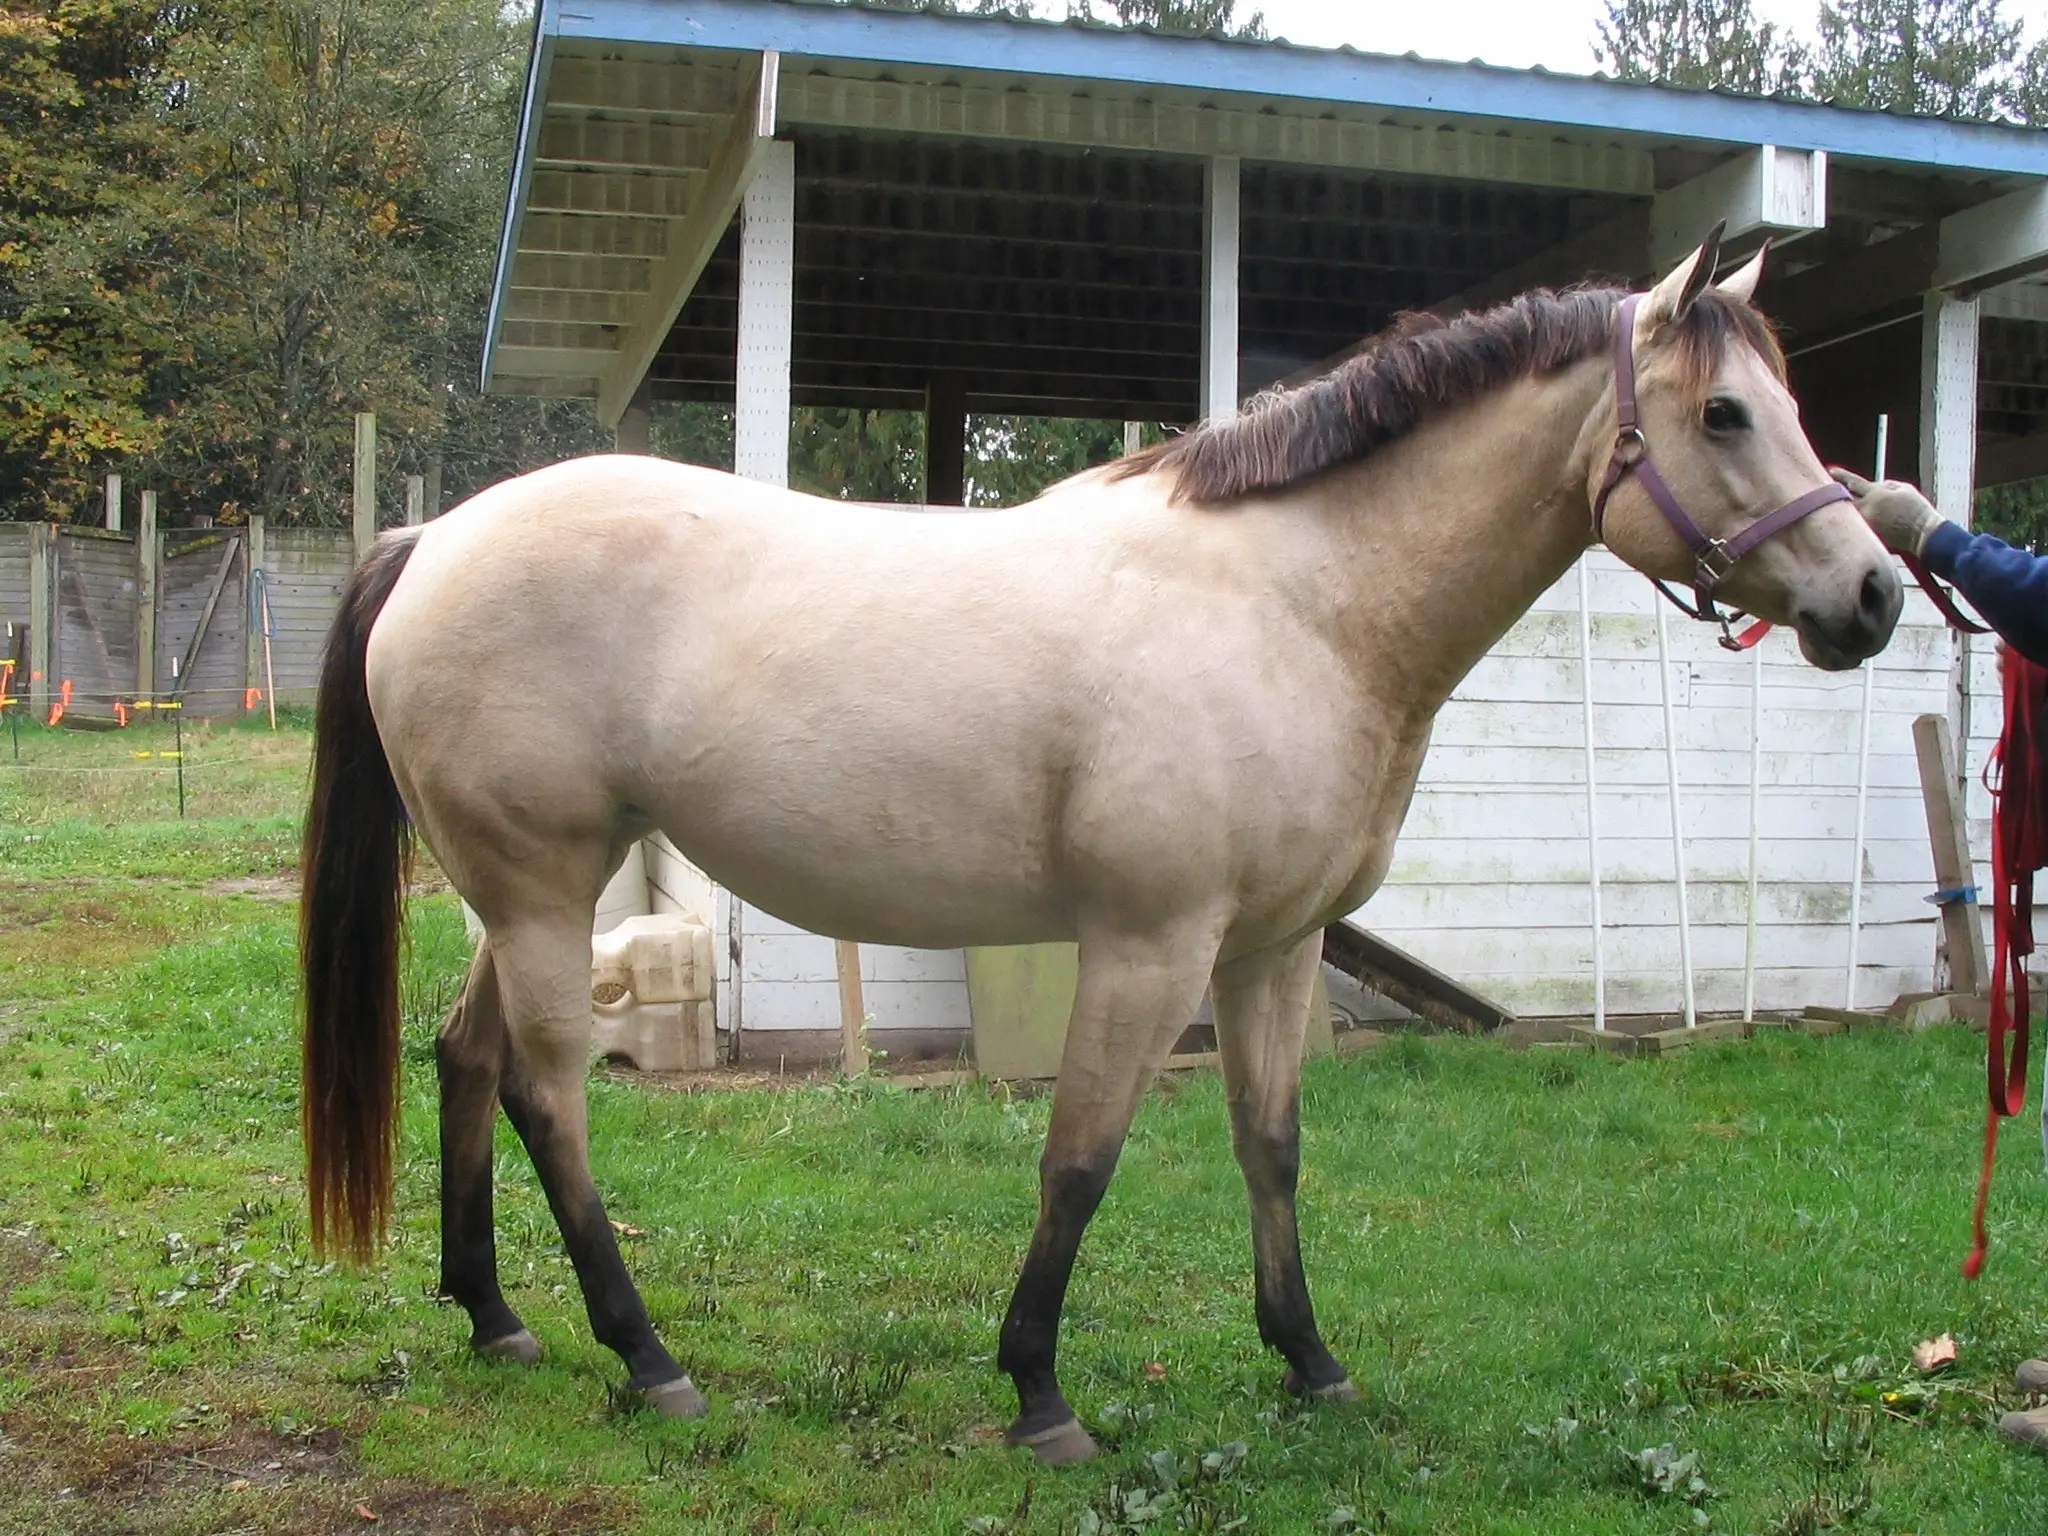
pixel 113 503
pixel 415 500
pixel 252 621
pixel 1949 834
pixel 366 482
pixel 853 1041
pixel 40 628
pixel 146 562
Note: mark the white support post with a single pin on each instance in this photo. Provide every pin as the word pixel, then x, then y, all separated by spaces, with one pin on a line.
pixel 766 319
pixel 1756 785
pixel 1220 203
pixel 760 435
pixel 113 503
pixel 415 500
pixel 1677 819
pixel 1948 463
pixel 1948 404
pixel 1592 797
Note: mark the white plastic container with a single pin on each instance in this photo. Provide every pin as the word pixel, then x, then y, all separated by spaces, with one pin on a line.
pixel 652 989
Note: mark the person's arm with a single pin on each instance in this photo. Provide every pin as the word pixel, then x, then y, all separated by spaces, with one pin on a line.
pixel 2008 586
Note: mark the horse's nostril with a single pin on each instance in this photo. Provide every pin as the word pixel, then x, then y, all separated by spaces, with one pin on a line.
pixel 1876 594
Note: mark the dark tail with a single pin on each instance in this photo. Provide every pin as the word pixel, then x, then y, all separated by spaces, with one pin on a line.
pixel 358 844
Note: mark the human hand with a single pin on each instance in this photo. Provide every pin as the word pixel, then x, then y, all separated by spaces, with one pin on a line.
pixel 1897 512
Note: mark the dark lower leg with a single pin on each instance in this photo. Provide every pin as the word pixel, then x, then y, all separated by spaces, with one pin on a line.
pixel 1030 1339
pixel 618 1318
pixel 468 1056
pixel 469 1254
pixel 1287 1322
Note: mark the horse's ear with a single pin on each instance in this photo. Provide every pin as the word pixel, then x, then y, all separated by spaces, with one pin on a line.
pixel 1671 298
pixel 1741 285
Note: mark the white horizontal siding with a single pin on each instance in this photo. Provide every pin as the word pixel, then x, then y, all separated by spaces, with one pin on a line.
pixel 1489 878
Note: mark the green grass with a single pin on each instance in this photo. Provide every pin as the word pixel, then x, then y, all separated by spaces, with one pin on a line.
pixel 1536 1266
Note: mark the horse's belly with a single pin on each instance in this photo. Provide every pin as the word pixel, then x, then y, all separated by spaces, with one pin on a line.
pixel 873 873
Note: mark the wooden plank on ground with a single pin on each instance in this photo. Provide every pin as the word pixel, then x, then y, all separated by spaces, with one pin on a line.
pixel 1401 978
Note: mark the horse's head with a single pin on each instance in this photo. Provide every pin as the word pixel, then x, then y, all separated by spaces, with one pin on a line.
pixel 1718 433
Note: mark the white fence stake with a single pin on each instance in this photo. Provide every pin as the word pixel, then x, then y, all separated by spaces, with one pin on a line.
pixel 1592 796
pixel 1884 427
pixel 1756 781
pixel 1677 820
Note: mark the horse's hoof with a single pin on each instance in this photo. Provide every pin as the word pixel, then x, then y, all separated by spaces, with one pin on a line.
pixel 521 1348
pixel 1338 1391
pixel 677 1399
pixel 1060 1446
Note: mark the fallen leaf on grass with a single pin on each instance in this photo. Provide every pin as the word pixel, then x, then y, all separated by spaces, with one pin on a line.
pixel 1154 1371
pixel 238 1485
pixel 1935 1354
pixel 627 1229
pixel 364 1512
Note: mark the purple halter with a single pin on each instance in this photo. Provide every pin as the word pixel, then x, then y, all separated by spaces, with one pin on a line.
pixel 1713 558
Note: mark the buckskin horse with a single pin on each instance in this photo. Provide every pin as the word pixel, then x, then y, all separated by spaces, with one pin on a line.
pixel 1172 710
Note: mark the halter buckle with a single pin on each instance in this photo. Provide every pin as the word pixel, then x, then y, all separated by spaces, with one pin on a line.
pixel 1630 446
pixel 1711 562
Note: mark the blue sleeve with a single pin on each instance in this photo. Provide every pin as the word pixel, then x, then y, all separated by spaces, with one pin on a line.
pixel 2008 586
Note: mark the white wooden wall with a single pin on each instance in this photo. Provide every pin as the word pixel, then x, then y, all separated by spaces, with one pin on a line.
pixel 1489 880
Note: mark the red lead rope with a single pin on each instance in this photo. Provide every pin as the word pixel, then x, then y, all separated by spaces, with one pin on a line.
pixel 2017 777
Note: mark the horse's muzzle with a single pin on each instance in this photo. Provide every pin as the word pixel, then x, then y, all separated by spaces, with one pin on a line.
pixel 1845 637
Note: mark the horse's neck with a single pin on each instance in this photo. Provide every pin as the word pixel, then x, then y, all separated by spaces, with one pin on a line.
pixel 1440 542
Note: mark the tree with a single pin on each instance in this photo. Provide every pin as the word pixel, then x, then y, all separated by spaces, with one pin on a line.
pixel 86 219
pixel 1698 44
pixel 1942 58
pixel 1194 18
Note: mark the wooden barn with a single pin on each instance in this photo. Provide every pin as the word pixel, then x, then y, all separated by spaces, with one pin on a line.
pixel 772 202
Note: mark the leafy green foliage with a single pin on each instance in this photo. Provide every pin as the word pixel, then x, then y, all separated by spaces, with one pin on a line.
pixel 1697 44
pixel 85 225
pixel 1945 58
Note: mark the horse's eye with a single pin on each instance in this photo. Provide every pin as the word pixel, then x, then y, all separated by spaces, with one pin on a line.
pixel 1723 416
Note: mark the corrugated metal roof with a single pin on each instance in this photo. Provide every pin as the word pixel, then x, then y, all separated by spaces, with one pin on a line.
pixel 1087 24
pixel 1332 79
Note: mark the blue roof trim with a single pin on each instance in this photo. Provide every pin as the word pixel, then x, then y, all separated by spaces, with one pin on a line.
pixel 1337 76
pixel 521 178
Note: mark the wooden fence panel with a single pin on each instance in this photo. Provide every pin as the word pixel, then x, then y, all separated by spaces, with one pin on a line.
pixel 203 580
pixel 92 620
pixel 14 567
pixel 304 572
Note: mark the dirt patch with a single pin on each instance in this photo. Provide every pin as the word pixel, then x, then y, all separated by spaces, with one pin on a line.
pixel 22 1256
pixel 262 887
pixel 251 1479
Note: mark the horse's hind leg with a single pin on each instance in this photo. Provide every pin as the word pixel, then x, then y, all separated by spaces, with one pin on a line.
pixel 470 1056
pixel 543 966
pixel 1262 1004
pixel 1133 999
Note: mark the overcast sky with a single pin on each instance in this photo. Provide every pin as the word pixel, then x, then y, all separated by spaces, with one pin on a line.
pixel 1558 34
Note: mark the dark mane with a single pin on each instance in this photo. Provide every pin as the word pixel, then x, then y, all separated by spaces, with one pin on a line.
pixel 1424 363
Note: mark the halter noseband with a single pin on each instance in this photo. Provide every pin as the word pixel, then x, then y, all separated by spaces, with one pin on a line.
pixel 1713 558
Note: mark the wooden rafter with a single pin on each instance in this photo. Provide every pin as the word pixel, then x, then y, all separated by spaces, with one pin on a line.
pixel 692 239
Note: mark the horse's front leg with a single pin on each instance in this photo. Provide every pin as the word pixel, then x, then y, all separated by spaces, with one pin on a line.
pixel 1262 1004
pixel 543 967
pixel 1133 999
